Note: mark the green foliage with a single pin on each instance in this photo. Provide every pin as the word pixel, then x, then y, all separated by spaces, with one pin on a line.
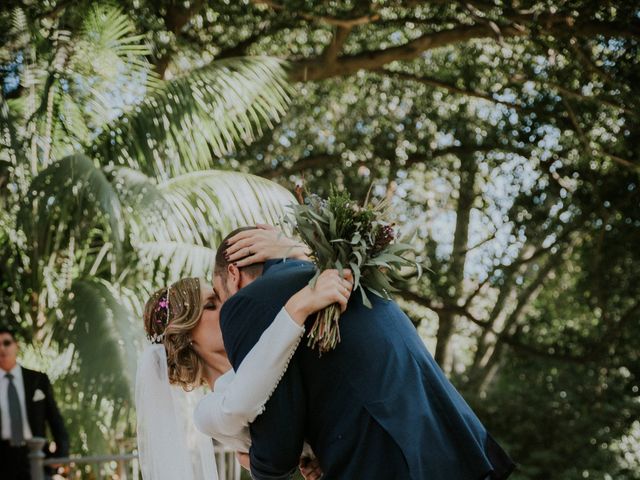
pixel 178 126
pixel 504 134
pixel 108 192
pixel 342 234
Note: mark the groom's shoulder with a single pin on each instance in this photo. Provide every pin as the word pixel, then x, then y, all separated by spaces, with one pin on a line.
pixel 282 273
pixel 277 283
pixel 277 266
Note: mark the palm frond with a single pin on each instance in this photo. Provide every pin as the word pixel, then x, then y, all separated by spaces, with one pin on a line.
pixel 73 122
pixel 69 193
pixel 178 127
pixel 88 69
pixel 106 337
pixel 175 260
pixel 16 34
pixel 105 332
pixel 137 190
pixel 208 203
pixel 197 210
pixel 109 58
pixel 108 29
pixel 11 150
pixel 144 203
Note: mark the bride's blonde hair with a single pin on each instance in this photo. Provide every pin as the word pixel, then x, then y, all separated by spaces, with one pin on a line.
pixel 169 317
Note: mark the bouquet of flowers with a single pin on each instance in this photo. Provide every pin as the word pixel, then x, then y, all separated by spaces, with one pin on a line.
pixel 342 234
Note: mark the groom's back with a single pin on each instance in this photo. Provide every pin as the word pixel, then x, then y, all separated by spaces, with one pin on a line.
pixel 375 407
pixel 366 369
pixel 347 441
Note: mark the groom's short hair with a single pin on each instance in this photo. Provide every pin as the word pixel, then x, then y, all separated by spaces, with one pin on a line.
pixel 221 264
pixel 9 331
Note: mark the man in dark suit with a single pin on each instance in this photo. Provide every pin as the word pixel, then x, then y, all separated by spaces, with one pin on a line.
pixel 26 404
pixel 377 407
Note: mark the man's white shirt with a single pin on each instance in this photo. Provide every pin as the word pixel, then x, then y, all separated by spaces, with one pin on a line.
pixel 4 402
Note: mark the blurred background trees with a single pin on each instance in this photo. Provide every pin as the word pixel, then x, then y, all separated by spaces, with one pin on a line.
pixel 505 135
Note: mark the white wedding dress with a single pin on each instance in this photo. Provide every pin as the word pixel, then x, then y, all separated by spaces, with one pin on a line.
pixel 169 446
pixel 239 397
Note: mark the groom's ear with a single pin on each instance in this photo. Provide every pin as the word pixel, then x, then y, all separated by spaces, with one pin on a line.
pixel 234 278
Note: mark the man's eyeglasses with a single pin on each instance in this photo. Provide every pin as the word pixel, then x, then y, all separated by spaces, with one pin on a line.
pixel 6 343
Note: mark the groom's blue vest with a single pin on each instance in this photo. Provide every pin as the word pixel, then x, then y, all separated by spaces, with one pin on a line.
pixel 376 407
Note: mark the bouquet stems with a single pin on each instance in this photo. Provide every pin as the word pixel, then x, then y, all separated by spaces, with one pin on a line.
pixel 325 331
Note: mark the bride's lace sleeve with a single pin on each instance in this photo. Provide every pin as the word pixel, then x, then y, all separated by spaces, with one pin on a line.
pixel 227 412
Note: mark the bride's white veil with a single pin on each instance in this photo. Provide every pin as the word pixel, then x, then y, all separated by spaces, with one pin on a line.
pixel 169 446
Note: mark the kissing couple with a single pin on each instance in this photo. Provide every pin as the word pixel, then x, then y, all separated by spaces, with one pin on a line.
pixel 377 407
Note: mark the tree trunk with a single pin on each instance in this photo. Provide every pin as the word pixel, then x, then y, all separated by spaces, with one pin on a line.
pixel 455 277
pixel 177 16
pixel 487 369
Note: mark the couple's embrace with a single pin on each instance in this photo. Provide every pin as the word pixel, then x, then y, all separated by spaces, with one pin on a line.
pixel 375 407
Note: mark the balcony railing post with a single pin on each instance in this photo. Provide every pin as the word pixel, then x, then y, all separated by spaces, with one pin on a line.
pixel 122 467
pixel 36 457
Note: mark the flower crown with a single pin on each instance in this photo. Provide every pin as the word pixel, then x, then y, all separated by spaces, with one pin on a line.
pixel 161 317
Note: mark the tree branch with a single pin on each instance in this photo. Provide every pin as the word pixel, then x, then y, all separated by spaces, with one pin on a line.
pixel 576 126
pixel 561 25
pixel 551 352
pixel 585 141
pixel 337 42
pixel 520 79
pixel 317 69
pixel 460 150
pixel 475 293
pixel 619 160
pixel 482 242
pixel 312 161
pixel 328 20
pixel 600 351
pixel 585 58
pixel 323 160
pixel 242 46
pixel 447 86
pixel 439 308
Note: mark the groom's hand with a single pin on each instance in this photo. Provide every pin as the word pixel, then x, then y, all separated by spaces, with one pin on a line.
pixel 261 244
pixel 310 468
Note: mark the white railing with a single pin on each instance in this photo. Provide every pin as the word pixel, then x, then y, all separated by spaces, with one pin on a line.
pixel 124 466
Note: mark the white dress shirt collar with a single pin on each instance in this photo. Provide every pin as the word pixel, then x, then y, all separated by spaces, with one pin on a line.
pixel 4 402
pixel 15 371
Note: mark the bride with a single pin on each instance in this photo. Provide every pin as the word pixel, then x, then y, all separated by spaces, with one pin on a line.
pixel 187 352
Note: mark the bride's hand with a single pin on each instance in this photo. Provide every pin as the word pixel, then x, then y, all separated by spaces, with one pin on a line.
pixel 260 244
pixel 243 460
pixel 330 288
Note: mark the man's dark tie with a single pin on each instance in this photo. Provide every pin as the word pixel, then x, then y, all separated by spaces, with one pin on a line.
pixel 15 414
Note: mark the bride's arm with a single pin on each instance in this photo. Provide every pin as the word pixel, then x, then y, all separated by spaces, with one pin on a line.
pixel 228 411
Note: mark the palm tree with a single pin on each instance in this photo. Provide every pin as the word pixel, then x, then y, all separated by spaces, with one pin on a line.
pixel 107 192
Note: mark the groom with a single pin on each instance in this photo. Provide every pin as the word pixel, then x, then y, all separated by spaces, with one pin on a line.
pixel 376 407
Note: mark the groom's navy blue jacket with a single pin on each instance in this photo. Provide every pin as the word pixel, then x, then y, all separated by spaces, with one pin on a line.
pixel 376 407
